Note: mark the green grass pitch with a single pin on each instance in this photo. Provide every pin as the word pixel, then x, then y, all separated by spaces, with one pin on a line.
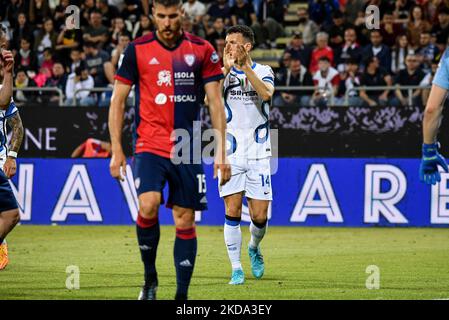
pixel 301 263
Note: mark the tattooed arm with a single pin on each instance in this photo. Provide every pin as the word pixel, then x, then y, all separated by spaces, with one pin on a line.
pixel 15 123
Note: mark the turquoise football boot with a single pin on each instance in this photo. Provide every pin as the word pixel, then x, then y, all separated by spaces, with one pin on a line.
pixel 237 277
pixel 257 265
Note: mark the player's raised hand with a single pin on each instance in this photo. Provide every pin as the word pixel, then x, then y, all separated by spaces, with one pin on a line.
pixel 117 166
pixel 7 60
pixel 242 57
pixel 10 167
pixel 228 59
pixel 431 159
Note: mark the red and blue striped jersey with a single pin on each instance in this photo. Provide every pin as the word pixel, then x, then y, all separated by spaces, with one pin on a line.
pixel 169 85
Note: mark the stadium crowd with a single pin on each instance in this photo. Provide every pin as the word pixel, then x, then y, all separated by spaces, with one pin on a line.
pixel 330 47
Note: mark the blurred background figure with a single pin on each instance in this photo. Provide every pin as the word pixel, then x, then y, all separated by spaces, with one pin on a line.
pixel 92 148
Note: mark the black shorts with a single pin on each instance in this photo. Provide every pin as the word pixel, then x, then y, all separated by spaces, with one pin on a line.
pixel 186 182
pixel 7 199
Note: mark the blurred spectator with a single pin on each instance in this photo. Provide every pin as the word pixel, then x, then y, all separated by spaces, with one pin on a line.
pixel 142 27
pixel 96 32
pixel 87 7
pixel 297 49
pixel 352 8
pixel 361 30
pixel 26 58
pixel 273 20
pixel 57 80
pixel 39 10
pixel 75 59
pixel 322 50
pixel 194 10
pixel 389 29
pixel 427 51
pixel 92 148
pixel 401 50
pixel 22 29
pixel 220 45
pixel 307 27
pixel 336 29
pixel 402 10
pixel 350 79
pixel 294 75
pixel 117 53
pixel 416 25
pixel 99 65
pixel 132 10
pixel 411 76
pixel 23 81
pixel 68 39
pixel 60 15
pixel 80 79
pixel 12 11
pixel 47 60
pixel 350 50
pixel 441 29
pixel 321 11
pixel 243 13
pixel 375 76
pixel 217 31
pixel 426 82
pixel 119 27
pixel 45 38
pixel 285 60
pixel 190 27
pixel 326 80
pixel 108 13
pixel 378 49
pixel 219 9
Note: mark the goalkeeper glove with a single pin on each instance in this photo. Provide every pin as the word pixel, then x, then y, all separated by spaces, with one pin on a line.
pixel 428 170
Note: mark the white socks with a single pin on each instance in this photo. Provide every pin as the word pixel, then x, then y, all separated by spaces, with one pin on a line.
pixel 256 235
pixel 233 240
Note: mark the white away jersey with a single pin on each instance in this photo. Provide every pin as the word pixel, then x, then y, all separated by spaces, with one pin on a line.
pixel 247 116
pixel 4 115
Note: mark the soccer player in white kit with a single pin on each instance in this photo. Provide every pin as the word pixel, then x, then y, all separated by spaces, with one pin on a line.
pixel 247 91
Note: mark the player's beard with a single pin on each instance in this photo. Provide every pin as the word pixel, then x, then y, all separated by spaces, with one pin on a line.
pixel 171 34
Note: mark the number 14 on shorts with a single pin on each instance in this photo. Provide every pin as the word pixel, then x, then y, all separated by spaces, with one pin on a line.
pixel 265 180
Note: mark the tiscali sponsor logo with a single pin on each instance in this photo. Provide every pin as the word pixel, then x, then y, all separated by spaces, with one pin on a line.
pixel 161 98
pixel 183 98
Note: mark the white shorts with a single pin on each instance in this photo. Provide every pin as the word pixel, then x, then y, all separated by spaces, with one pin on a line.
pixel 251 176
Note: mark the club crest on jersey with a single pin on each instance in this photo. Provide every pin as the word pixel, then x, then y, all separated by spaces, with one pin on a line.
pixel 214 57
pixel 164 78
pixel 189 59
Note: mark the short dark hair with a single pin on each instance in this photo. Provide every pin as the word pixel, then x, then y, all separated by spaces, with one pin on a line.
pixel 324 58
pixel 168 3
pixel 352 61
pixel 245 31
pixel 444 10
pixel 375 31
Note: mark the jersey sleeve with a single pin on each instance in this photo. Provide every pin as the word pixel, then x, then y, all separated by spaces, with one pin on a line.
pixel 11 110
pixel 128 72
pixel 211 69
pixel 442 75
pixel 268 75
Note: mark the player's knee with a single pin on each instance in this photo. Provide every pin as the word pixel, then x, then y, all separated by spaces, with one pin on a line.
pixel 185 218
pixel 149 209
pixel 13 217
pixel 234 211
pixel 259 216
